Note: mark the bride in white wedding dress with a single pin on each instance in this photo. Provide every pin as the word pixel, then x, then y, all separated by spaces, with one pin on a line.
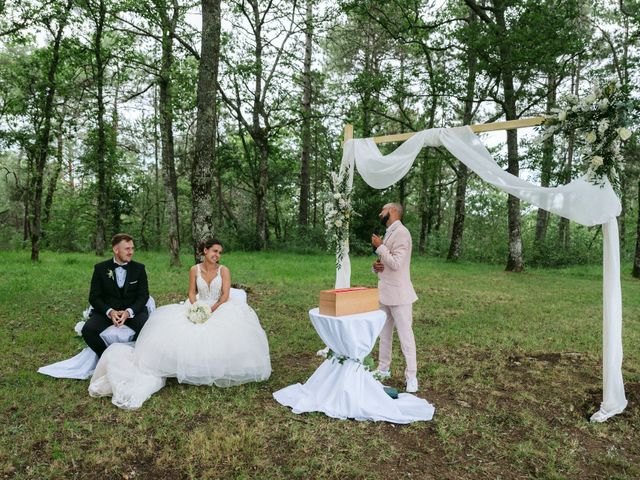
pixel 230 348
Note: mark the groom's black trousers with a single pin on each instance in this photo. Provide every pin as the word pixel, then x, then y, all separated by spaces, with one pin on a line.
pixel 98 322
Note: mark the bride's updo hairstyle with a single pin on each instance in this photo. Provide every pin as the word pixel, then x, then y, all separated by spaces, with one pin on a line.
pixel 208 243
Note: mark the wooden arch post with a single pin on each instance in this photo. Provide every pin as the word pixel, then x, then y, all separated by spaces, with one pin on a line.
pixel 348 132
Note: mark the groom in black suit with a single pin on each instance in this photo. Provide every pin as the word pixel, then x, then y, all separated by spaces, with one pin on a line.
pixel 118 295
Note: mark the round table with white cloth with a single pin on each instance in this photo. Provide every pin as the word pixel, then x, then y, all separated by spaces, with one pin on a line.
pixel 347 389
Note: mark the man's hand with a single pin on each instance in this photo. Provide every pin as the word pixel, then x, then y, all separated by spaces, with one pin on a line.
pixel 114 315
pixel 119 317
pixel 378 266
pixel 124 316
pixel 376 241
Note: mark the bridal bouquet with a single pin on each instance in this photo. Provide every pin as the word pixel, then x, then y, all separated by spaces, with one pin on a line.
pixel 198 312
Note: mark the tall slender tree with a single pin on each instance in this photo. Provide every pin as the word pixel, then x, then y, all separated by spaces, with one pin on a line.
pixel 462 172
pixel 542 216
pixel 56 26
pixel 96 11
pixel 205 144
pixel 165 80
pixel 303 215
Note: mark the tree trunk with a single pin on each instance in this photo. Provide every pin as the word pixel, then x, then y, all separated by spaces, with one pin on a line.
pixel 260 137
pixel 260 185
pixel 432 197
pixel 622 223
pixel 55 175
pixel 42 141
pixel 166 131
pixel 366 100
pixel 103 200
pixel 462 174
pixel 636 259
pixel 563 223
pixel 205 143
pixel 316 181
pixel 277 228
pixel 303 216
pixel 514 260
pixel 441 189
pixel 424 195
pixel 25 198
pixel 542 220
pixel 70 157
pixel 424 182
pixel 564 232
pixel 156 158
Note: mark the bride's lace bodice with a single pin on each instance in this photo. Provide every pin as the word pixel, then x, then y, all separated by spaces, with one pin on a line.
pixel 209 293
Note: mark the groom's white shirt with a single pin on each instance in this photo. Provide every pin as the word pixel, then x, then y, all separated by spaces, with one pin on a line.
pixel 121 276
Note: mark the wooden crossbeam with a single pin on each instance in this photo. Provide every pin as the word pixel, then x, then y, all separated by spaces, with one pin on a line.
pixel 480 127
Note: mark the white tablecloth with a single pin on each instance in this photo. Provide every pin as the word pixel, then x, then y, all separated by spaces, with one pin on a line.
pixel 348 390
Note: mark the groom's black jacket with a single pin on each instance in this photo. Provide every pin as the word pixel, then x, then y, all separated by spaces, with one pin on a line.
pixel 105 294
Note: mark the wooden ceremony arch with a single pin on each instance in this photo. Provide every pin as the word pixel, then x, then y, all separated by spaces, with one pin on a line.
pixel 477 128
pixel 614 398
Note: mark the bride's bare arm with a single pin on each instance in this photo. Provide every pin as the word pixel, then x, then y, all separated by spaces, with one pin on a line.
pixel 193 291
pixel 226 286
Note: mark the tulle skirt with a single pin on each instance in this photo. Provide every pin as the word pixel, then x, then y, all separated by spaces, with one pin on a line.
pixel 229 349
pixel 116 375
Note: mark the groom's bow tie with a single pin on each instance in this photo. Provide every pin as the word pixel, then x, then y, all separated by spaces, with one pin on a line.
pixel 117 265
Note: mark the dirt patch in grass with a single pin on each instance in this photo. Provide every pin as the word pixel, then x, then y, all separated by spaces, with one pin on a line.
pixel 298 366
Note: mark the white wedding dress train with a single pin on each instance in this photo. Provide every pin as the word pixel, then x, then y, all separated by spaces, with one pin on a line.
pixel 230 348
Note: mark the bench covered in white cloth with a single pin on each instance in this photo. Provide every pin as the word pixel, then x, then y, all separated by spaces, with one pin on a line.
pixel 84 363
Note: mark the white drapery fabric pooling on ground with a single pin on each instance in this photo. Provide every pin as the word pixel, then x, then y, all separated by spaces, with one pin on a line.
pixel 348 389
pixel 580 201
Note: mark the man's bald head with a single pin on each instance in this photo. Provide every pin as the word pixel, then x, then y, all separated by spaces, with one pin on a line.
pixel 397 207
pixel 390 213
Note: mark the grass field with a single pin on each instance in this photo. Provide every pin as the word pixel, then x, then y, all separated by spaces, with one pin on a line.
pixel 512 363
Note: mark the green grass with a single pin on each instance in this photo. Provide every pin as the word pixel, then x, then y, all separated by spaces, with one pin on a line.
pixel 511 362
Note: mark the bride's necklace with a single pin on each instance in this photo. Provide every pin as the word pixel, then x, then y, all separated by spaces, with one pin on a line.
pixel 206 270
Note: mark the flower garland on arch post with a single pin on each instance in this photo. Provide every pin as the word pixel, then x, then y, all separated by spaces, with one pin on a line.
pixel 339 213
pixel 597 124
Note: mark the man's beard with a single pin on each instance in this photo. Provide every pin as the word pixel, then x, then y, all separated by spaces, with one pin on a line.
pixel 385 219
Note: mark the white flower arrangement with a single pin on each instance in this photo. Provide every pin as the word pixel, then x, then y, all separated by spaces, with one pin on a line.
pixel 339 213
pixel 78 327
pixel 597 124
pixel 198 312
pixel 80 324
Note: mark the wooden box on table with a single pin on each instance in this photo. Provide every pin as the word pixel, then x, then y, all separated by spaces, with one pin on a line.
pixel 347 301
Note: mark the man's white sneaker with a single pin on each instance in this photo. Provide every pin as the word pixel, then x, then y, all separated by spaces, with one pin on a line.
pixel 382 373
pixel 412 385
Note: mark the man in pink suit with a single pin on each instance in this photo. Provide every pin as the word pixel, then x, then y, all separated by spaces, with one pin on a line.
pixel 396 292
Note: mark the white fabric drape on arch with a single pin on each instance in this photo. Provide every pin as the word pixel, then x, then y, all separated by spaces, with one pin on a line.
pixel 580 201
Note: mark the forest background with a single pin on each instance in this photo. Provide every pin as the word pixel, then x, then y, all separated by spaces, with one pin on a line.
pixel 175 120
